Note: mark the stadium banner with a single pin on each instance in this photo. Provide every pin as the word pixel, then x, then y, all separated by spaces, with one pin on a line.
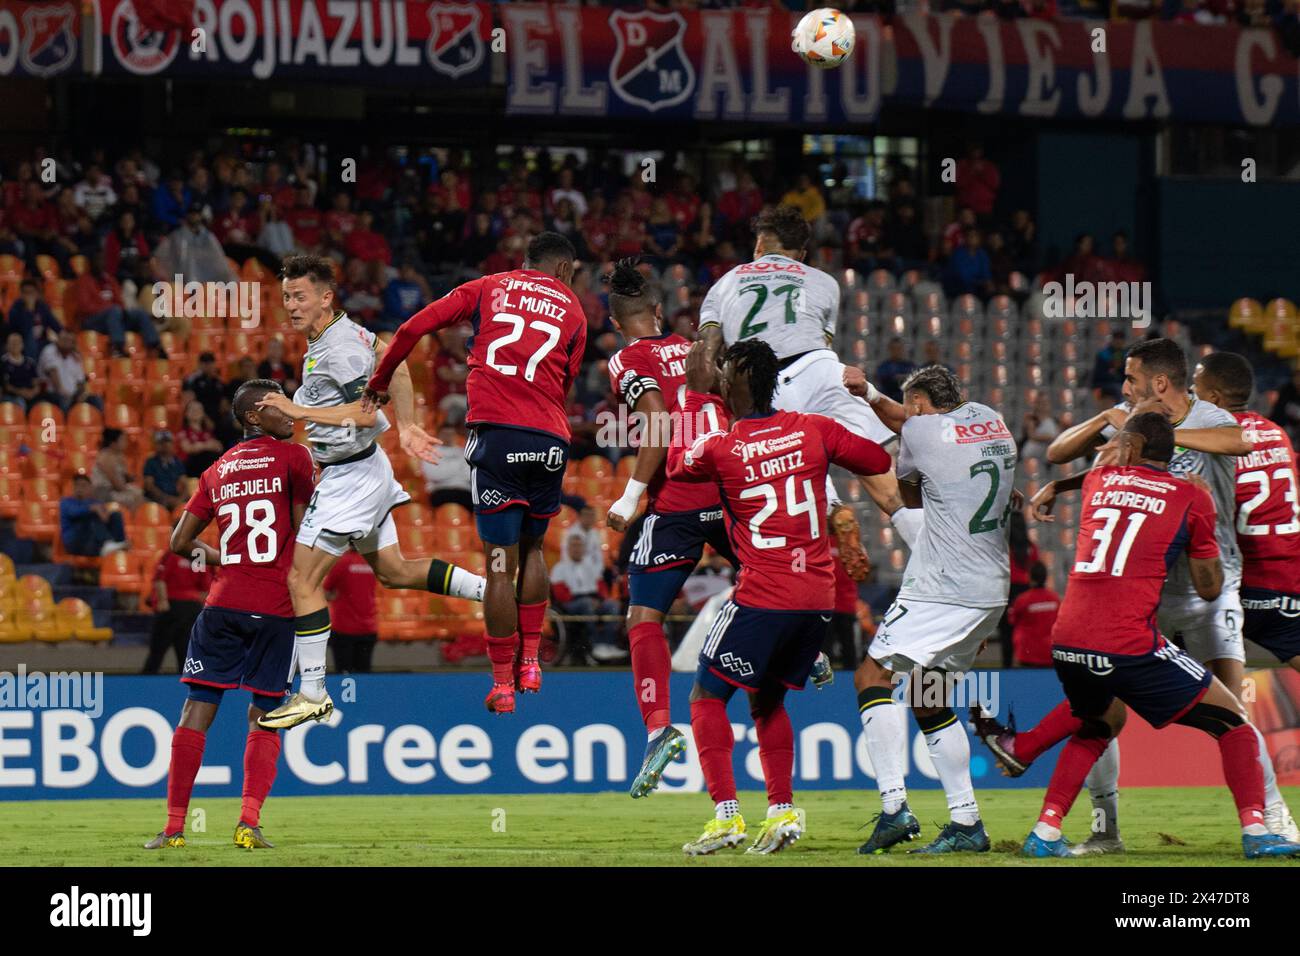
pixel 429 734
pixel 352 41
pixel 738 65
pixel 39 39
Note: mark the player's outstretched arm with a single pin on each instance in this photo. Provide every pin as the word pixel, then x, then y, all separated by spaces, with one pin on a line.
pixel 185 540
pixel 1222 440
pixel 415 441
pixel 350 414
pixel 890 412
pixel 1040 505
pixel 652 453
pixel 705 351
pixel 1207 577
pixel 1077 440
pixel 456 306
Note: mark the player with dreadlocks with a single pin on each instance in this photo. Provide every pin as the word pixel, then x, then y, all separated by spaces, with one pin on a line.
pixel 770 468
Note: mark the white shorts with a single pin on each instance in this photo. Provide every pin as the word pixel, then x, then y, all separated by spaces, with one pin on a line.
pixel 944 637
pixel 1211 630
pixel 815 385
pixel 351 506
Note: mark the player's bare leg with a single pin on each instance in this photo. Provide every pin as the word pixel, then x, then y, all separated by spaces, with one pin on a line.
pixel 534 586
pixel 1277 815
pixel 394 570
pixel 651 669
pixel 884 723
pixel 311 640
pixel 949 747
pixel 187 756
pixel 785 823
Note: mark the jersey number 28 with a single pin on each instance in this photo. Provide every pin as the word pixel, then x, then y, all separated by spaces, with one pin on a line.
pixel 260 542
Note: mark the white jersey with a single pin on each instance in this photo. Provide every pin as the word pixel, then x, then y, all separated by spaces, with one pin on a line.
pixel 335 369
pixel 966 462
pixel 787 304
pixel 1220 473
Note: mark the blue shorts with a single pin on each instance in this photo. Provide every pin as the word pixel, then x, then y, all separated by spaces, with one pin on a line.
pixel 1272 621
pixel 516 477
pixel 751 647
pixel 231 649
pixel 667 550
pixel 1160 686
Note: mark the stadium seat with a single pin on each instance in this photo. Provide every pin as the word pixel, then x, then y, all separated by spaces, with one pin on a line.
pixel 79 265
pixel 85 415
pixel 40 619
pixel 7 569
pixel 75 618
pixel 1247 315
pixel 596 466
pixel 33 587
pixel 414 515
pixel 10 490
pixel 151 513
pixel 37 521
pixel 43 414
pixel 451 516
pixel 47 267
pixel 12 629
pixel 121 571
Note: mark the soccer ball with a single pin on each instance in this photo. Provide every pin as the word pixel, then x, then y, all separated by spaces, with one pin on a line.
pixel 824 38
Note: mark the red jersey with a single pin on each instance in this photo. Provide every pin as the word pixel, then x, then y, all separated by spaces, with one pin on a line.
pixel 1032 616
pixel 251 491
pixel 529 336
pixel 1268 508
pixel 772 473
pixel 183 583
pixel 1136 521
pixel 658 363
pixel 353 609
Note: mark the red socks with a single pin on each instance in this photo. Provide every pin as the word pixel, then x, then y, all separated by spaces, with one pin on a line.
pixel 776 753
pixel 1072 768
pixel 187 757
pixel 261 752
pixel 651 669
pixel 713 743
pixel 531 617
pixel 501 652
pixel 1239 749
pixel 1055 726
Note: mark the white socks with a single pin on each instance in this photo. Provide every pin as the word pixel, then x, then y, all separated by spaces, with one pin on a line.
pixel 885 724
pixel 1272 794
pixel 726 809
pixel 311 651
pixel 1103 785
pixel 1047 832
pixel 776 809
pixel 908 522
pixel 466 584
pixel 950 750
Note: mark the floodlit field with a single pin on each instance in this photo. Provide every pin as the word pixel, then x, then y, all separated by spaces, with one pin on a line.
pixel 1162 826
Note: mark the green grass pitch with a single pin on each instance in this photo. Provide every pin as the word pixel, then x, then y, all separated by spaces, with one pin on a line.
pixel 1193 826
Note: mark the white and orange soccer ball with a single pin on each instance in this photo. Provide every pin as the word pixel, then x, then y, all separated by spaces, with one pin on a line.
pixel 824 37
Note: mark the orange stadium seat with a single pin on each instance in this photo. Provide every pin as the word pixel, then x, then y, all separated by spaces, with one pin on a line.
pixel 201 342
pixel 40 619
pixel 451 516
pixel 11 630
pixel 78 462
pixel 33 587
pixel 75 618
pixel 625 467
pixel 85 415
pixel 151 513
pixel 47 267
pixel 11 415
pixel 10 490
pixel 416 515
pixel 122 416
pixel 176 347
pixel 43 413
pixel 44 461
pixel 596 466
pixel 121 571
pixel 1247 315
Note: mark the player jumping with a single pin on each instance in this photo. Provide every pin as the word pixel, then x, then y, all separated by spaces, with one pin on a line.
pixel 649 376
pixel 771 467
pixel 529 336
pixel 793 307
pixel 357 491
pixel 957 460
pixel 1136 516
pixel 243 637
pixel 1208 439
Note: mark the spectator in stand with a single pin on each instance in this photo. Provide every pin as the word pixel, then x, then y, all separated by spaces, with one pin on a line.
pixel 171 202
pixel 578 588
pixel 806 197
pixel 978 182
pixel 662 234
pixel 277 368
pixel 1032 616
pixel 205 385
pixel 453 189
pixel 101 308
pixel 276 237
pixel 305 221
pixel 88 527
pixel 905 240
pixel 278 188
pixel 1083 263
pixel 969 269
pixel 361 294
pixel 438 232
pixel 126 252
pixel 196 445
pixel 10 244
pixel 366 244
pixel 237 227
pixel 194 252
pixel 94 195
pixel 20 382
pixel 163 472
pixel 111 478
pixel 599 229
pixel 1039 428
pixel 1121 267
pixel 740 205
pixel 1108 371
pixel 31 318
pixel 955 231
pixel 450 372
pixel 932 354
pixel 406 293
pixel 75 233
pixel 61 366
pixel 35 224
pixel 892 372
pixel 593 543
pixel 564 189
pixel 1000 262
pixel 629 230
pixel 1286 409
pixel 178 592
pixel 350 590
pixel 448 481
pixel 684 201
pixel 479 244
pixel 565 221
pixel 340 220
pixel 1022 242
pixel 865 239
